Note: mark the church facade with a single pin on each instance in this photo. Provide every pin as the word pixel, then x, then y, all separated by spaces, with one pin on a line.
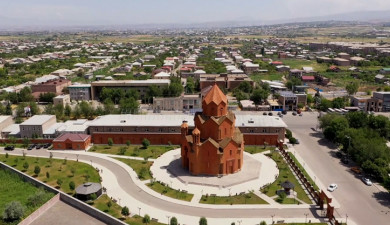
pixel 215 146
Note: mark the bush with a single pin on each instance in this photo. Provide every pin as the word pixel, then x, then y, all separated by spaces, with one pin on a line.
pixel 110 142
pixel 145 143
pixel 288 134
pixel 59 182
pixel 128 143
pixel 122 150
pixel 263 223
pixel 173 221
pixel 47 175
pixel 25 165
pixel 292 140
pixel 109 204
pixel 71 185
pixel 146 219
pixel 125 211
pixel 36 199
pixel 203 221
pixel 37 170
pixel 13 211
pixel 93 196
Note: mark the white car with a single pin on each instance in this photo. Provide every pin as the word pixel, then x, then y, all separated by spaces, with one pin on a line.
pixel 332 187
pixel 367 181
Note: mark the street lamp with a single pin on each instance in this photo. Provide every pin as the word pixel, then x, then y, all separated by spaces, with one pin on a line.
pixel 119 200
pixel 168 219
pixel 346 220
pixel 239 222
pixel 272 218
pixel 77 155
pixel 91 162
pixel 139 211
pixel 306 214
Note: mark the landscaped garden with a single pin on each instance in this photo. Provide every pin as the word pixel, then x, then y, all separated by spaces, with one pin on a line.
pixel 303 171
pixel 18 198
pixel 105 204
pixel 152 151
pixel 248 198
pixel 253 149
pixel 57 173
pixel 285 173
pixel 164 189
pixel 141 167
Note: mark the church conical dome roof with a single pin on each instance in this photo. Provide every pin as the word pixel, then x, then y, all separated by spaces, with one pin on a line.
pixel 215 95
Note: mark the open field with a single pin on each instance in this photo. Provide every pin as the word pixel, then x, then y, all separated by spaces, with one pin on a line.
pixel 13 188
pixel 248 198
pixel 115 211
pixel 266 76
pixel 166 190
pixel 57 169
pixel 153 151
pixel 284 174
pixel 299 63
pixel 141 167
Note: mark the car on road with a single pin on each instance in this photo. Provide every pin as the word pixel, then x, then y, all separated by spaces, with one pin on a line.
pixel 366 181
pixel 270 114
pixel 31 147
pixel 39 146
pixel 294 113
pixel 9 147
pixel 284 112
pixel 300 114
pixel 296 141
pixel 264 113
pixel 47 145
pixel 332 187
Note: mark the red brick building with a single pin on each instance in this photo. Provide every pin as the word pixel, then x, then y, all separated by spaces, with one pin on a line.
pixel 70 141
pixel 215 146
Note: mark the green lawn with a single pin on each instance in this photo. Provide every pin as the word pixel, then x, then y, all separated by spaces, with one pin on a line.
pixel 152 151
pixel 58 169
pixel 266 76
pixel 165 190
pixel 303 171
pixel 115 211
pixel 141 167
pixel 249 198
pixel 299 63
pixel 13 188
pixel 253 149
pixel 284 174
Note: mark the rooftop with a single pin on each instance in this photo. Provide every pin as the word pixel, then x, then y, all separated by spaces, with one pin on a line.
pixel 38 120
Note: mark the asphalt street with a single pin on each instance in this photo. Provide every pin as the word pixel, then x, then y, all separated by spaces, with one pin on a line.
pixel 363 204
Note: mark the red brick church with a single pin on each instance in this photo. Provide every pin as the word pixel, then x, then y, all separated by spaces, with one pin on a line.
pixel 215 146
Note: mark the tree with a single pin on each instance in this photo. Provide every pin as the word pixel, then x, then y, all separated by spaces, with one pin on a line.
pixel 190 86
pixel 37 170
pixel 263 223
pixel 72 185
pixel 128 105
pixel 245 86
pixel 25 165
pixel 8 109
pixel 338 103
pixel 128 143
pixel 203 221
pixel 67 110
pixel 146 219
pixel 47 175
pixel 47 97
pixel 125 211
pixel 73 171
pixel 26 142
pixel 173 221
pixel 352 88
pixel 110 142
pixel 259 95
pixel 13 211
pixel 145 143
pixel 59 182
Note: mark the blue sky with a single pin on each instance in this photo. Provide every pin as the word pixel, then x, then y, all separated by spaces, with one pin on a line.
pixel 99 12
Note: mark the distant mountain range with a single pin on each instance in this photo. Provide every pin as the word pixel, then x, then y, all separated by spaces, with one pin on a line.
pixel 37 24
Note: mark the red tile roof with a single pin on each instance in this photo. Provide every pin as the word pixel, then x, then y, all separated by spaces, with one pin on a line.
pixel 215 95
pixel 72 137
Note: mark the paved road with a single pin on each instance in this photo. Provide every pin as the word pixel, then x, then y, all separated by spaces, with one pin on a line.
pixel 364 204
pixel 132 189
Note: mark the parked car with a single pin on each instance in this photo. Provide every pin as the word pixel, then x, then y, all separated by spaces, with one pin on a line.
pixel 264 113
pixel 366 181
pixel 9 147
pixel 284 112
pixel 270 114
pixel 332 187
pixel 294 113
pixel 39 146
pixel 300 114
pixel 356 169
pixel 31 147
pixel 296 141
pixel 47 145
